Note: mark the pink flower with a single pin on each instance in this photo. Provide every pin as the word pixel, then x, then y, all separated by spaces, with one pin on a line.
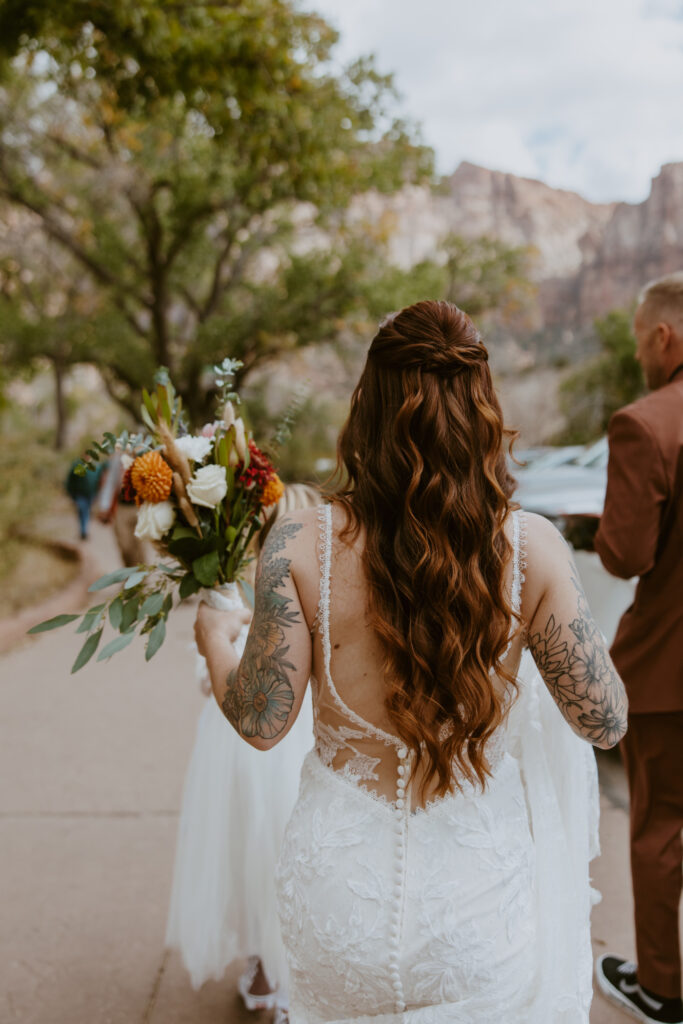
pixel 209 429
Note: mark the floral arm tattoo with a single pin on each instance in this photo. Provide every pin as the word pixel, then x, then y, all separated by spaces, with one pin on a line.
pixel 259 695
pixel 579 674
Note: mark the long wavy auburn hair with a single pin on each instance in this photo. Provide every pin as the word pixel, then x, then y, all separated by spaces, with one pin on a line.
pixel 428 484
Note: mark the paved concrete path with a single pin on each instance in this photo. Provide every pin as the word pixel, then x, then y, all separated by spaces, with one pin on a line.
pixel 91 772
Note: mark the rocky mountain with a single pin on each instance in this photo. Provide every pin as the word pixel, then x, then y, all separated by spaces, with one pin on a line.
pixel 589 258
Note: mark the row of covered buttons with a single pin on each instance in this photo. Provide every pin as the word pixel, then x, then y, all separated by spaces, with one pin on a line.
pixel 399 865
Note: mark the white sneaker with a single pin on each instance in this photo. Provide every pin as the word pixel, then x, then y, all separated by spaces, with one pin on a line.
pixel 264 1001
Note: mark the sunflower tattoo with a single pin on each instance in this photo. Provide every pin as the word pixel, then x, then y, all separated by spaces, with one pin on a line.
pixel 259 696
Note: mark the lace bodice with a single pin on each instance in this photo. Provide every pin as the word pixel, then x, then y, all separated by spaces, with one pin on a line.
pixel 362 753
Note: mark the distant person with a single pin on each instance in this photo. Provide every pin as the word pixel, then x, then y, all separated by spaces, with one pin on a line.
pixel 641 534
pixel 116 505
pixel 82 491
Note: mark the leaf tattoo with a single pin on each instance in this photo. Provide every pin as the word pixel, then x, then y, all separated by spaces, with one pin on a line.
pixel 259 695
pixel 580 675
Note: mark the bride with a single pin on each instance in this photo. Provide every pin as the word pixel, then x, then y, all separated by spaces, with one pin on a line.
pixel 435 867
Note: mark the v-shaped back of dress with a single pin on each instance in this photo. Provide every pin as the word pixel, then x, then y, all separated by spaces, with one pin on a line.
pixel 359 751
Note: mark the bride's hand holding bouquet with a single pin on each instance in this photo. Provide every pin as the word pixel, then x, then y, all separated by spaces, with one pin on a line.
pixel 200 499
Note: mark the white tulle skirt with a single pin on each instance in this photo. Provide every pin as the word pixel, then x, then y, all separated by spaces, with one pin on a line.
pixel 236 803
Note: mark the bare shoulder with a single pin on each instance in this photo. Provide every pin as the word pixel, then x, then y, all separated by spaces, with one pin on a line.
pixel 544 540
pixel 547 554
pixel 293 530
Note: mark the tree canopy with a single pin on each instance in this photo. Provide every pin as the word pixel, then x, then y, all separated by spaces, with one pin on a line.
pixel 169 150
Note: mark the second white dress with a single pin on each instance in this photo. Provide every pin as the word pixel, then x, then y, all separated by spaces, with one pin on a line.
pixel 236 803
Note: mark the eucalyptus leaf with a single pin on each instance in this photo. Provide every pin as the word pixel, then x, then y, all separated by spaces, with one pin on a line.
pixel 90 618
pixel 156 639
pixel 115 645
pixel 87 650
pixel 116 612
pixel 152 605
pixel 129 614
pixel 133 580
pixel 55 623
pixel 118 576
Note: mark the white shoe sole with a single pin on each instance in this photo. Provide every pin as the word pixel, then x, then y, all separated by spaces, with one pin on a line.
pixel 252 1001
pixel 618 998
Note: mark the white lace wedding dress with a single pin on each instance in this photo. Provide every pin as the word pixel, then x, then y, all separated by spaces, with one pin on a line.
pixel 473 910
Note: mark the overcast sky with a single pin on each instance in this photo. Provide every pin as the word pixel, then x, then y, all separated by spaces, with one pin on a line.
pixel 583 94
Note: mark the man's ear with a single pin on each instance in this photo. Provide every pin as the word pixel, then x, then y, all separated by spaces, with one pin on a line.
pixel 664 335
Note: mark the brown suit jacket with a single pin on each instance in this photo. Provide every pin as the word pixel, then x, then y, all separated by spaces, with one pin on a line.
pixel 641 534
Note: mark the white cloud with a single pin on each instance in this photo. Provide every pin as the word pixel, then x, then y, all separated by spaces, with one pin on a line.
pixel 585 94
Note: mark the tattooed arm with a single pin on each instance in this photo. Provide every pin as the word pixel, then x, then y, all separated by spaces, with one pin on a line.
pixel 261 695
pixel 567 645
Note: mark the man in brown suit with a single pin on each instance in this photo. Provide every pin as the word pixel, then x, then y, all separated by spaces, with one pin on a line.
pixel 641 534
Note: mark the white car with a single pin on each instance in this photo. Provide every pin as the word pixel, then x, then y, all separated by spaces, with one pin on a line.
pixel 571 493
pixel 568 486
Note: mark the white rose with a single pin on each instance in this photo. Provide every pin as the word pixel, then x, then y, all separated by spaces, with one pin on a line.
pixel 208 486
pixel 155 518
pixel 196 448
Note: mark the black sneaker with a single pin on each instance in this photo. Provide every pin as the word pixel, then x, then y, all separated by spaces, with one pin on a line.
pixel 618 980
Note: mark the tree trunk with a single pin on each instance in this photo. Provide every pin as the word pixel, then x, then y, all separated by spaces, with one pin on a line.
pixel 60 405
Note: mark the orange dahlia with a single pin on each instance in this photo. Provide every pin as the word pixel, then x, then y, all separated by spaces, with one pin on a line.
pixel 273 490
pixel 151 477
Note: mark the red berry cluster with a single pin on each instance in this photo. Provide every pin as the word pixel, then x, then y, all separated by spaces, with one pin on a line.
pixel 258 472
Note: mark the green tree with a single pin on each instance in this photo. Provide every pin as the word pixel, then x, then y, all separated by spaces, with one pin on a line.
pixel 45 311
pixel 171 151
pixel 481 275
pixel 595 391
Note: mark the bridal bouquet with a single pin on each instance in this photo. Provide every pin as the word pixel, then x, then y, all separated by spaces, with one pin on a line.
pixel 200 499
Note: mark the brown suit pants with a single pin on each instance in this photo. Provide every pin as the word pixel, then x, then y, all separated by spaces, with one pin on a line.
pixel 653 755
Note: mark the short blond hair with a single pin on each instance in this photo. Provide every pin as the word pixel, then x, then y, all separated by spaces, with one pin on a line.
pixel 663 298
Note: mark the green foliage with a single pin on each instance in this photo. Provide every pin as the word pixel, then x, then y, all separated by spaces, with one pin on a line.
pixel 31 474
pixel 55 623
pixel 311 436
pixel 166 148
pixel 143 604
pixel 595 391
pixel 480 275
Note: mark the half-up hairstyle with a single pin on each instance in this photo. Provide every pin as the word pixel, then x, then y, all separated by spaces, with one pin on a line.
pixel 428 483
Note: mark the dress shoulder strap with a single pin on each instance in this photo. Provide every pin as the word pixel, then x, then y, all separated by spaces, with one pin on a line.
pixel 325 560
pixel 519 534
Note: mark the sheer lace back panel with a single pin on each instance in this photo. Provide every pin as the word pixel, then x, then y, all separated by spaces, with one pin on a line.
pixel 364 753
